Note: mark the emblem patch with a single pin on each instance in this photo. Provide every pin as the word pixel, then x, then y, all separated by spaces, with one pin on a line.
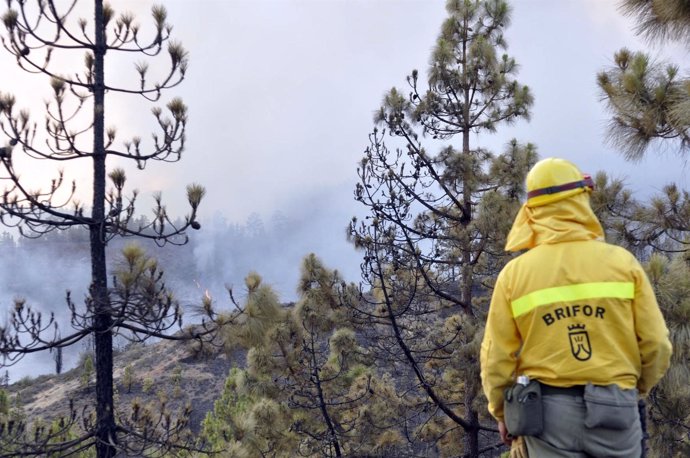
pixel 579 342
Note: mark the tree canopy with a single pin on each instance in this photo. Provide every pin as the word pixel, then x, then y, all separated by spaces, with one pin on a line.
pixel 649 100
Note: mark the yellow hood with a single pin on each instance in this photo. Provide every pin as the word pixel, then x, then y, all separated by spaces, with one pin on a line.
pixel 562 221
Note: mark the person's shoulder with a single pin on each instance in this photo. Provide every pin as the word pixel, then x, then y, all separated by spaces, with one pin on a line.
pixel 506 269
pixel 533 253
pixel 613 248
pixel 516 261
pixel 616 252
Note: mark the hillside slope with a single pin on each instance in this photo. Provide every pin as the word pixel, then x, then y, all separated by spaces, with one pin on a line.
pixel 165 370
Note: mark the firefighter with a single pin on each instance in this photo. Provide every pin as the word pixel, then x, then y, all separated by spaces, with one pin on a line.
pixel 576 315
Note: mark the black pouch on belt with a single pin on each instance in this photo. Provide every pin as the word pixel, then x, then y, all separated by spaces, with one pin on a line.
pixel 522 409
pixel 610 407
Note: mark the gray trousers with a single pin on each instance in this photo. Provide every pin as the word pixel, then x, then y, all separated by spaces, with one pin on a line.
pixel 565 434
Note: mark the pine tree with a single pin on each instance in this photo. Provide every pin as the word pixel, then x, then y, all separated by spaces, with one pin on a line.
pixel 86 370
pixel 649 100
pixel 128 378
pixel 433 240
pixel 660 19
pixel 669 402
pixel 310 387
pixel 76 131
pixel 4 404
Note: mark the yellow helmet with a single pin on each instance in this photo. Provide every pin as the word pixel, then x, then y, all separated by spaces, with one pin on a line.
pixel 554 179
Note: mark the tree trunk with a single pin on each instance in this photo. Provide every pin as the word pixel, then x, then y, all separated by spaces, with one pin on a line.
pixel 471 433
pixel 466 242
pixel 106 436
pixel 316 379
pixel 471 416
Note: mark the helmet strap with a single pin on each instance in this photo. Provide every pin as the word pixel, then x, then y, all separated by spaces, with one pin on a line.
pixel 586 182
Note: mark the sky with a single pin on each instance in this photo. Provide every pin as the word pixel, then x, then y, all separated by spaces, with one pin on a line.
pixel 281 96
pixel 281 93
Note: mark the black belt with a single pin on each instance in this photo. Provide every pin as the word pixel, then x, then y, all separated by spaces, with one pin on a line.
pixel 577 390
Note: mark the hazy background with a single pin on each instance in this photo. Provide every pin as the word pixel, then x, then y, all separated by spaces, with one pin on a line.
pixel 281 95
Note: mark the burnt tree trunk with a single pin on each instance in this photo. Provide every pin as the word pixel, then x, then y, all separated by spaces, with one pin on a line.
pixel 106 430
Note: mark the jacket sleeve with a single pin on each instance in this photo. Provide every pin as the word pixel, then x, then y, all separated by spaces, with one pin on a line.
pixel 499 349
pixel 652 334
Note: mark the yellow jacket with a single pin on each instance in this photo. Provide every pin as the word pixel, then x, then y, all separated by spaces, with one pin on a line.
pixel 571 310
